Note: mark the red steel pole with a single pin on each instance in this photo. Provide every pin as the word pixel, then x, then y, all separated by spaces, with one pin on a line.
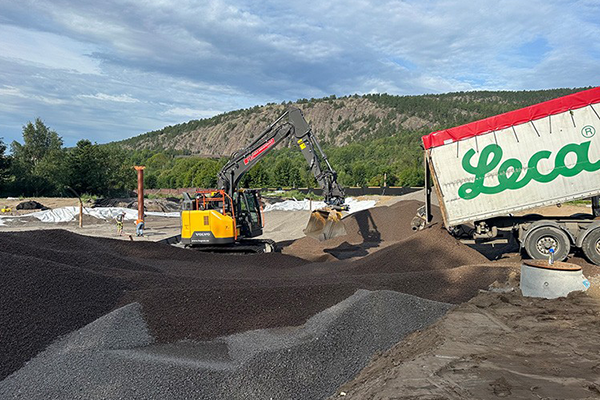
pixel 140 174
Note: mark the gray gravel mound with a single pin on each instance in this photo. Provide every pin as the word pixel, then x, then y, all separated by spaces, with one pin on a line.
pixel 114 357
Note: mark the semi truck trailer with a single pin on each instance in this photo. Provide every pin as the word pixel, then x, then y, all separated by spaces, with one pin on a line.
pixel 487 173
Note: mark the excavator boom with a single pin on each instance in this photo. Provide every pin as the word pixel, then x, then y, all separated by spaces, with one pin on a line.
pixel 324 223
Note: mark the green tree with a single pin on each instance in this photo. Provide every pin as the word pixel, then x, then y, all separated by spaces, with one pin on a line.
pixel 5 176
pixel 413 177
pixel 359 173
pixel 38 162
pixel 286 173
pixel 151 181
pixel 158 161
pixel 86 168
pixel 39 141
pixel 203 174
pixel 119 171
pixel 257 177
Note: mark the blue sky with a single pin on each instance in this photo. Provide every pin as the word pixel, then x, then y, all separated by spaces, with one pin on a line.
pixel 111 69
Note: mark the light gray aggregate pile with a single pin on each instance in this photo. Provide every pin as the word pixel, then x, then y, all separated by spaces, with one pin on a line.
pixel 114 357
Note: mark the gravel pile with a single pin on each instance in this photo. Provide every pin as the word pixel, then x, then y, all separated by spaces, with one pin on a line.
pixel 59 281
pixel 30 205
pixel 42 300
pixel 115 358
pixel 367 231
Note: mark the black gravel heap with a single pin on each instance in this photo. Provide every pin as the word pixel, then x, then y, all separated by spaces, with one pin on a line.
pixel 53 282
pixel 113 358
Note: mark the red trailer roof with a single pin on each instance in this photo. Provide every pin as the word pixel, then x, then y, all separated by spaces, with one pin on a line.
pixel 502 121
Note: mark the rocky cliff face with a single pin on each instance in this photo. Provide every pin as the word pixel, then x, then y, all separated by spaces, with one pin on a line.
pixel 335 121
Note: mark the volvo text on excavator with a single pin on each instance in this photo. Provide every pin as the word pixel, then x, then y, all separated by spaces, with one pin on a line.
pixel 226 218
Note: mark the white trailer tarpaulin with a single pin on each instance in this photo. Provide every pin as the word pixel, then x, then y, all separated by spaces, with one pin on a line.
pixel 544 154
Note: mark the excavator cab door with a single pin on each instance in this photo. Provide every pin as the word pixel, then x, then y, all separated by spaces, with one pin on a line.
pixel 248 214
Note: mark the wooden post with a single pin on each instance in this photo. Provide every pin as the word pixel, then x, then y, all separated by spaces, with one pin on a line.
pixel 80 213
pixel 80 205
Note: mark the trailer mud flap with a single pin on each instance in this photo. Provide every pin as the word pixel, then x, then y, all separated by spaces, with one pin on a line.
pixel 325 224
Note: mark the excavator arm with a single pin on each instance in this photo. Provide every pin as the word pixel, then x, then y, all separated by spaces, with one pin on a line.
pixel 294 126
pixel 323 223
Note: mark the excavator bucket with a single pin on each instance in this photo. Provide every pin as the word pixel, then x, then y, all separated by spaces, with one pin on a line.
pixel 324 224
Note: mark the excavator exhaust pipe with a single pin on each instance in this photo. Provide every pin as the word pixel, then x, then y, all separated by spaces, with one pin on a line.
pixel 324 224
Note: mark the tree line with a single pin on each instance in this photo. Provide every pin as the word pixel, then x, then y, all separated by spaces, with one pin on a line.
pixel 40 165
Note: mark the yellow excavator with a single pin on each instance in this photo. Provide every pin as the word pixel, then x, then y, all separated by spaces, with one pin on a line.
pixel 227 218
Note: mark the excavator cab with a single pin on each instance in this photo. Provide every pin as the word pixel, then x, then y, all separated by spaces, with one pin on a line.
pixel 249 213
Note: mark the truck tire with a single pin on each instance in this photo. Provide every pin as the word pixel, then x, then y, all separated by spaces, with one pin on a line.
pixel 542 239
pixel 591 246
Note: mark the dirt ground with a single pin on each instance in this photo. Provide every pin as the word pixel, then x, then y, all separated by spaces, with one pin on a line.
pixel 157 228
pixel 495 345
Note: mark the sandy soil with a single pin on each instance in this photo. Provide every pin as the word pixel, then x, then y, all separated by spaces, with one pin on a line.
pixel 495 345
pixel 279 225
pixel 157 228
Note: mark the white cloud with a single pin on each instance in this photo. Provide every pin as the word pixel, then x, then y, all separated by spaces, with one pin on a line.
pixel 121 98
pixel 16 92
pixel 190 113
pixel 47 49
pixel 11 91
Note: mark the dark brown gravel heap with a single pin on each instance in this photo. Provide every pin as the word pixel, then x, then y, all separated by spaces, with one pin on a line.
pixel 367 231
pixel 53 282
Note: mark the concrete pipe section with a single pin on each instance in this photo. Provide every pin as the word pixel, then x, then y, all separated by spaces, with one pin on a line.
pixel 550 281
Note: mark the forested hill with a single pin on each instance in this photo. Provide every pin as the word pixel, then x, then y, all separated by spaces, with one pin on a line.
pixel 340 121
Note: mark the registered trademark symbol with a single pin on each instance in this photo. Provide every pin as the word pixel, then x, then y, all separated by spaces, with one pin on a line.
pixel 588 131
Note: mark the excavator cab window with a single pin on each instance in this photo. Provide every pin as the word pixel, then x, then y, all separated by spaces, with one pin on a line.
pixel 243 203
pixel 253 207
pixel 248 213
pixel 248 206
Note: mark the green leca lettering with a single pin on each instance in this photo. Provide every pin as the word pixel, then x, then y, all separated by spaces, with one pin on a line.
pixel 512 169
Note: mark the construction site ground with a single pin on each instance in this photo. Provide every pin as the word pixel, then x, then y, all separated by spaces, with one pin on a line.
pixel 380 313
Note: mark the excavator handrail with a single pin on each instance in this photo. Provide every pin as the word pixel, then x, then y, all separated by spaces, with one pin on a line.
pixel 222 199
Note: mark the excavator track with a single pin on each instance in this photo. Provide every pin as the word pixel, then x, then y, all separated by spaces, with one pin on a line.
pixel 244 246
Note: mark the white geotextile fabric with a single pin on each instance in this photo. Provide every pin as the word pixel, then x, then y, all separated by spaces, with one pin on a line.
pixel 65 214
pixel 304 205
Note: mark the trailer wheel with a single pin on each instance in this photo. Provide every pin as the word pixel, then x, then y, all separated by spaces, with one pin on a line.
pixel 541 240
pixel 591 246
